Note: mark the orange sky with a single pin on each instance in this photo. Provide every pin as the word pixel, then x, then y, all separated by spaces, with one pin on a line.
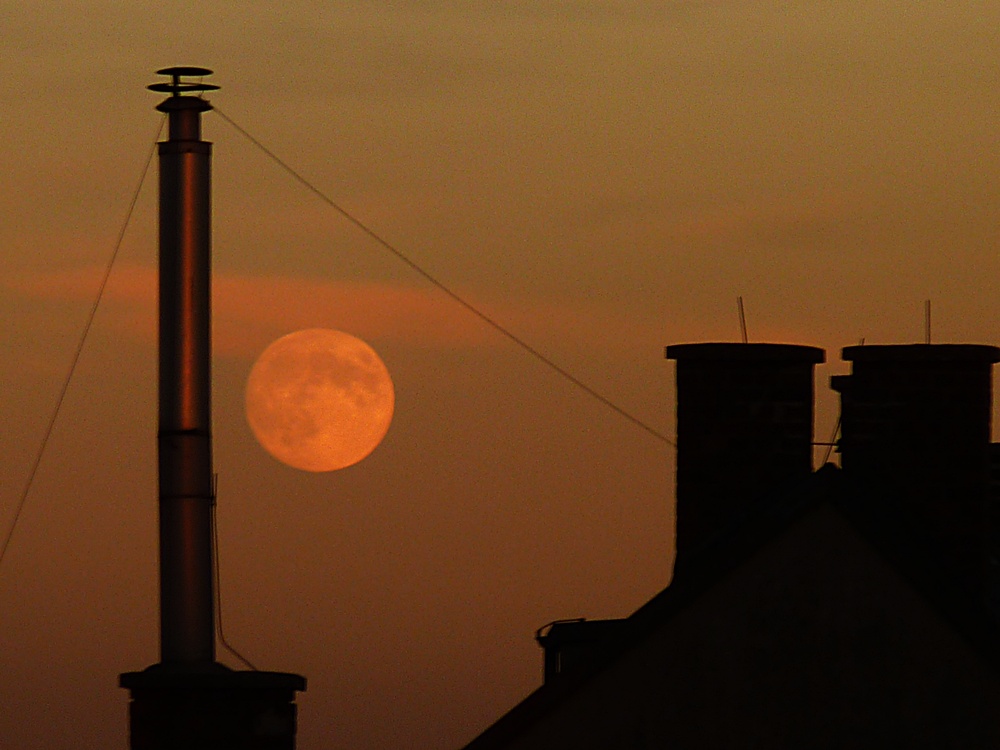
pixel 604 178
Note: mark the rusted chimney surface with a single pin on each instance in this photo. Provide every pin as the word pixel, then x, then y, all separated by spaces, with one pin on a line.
pixel 915 427
pixel 744 426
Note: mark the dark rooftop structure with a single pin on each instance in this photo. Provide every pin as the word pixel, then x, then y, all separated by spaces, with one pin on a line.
pixel 915 424
pixel 744 425
pixel 847 607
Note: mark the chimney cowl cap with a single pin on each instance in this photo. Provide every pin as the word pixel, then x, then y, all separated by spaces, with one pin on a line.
pixel 982 353
pixel 176 86
pixel 735 352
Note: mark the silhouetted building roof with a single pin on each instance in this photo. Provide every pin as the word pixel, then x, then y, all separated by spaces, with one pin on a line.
pixel 824 610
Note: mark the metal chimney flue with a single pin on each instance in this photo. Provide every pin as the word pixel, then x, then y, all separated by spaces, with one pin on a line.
pixel 189 701
pixel 184 441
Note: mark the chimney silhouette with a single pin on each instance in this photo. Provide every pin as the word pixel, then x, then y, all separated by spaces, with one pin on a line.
pixel 744 427
pixel 915 428
pixel 188 700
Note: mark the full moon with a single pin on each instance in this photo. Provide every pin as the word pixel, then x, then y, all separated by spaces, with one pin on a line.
pixel 319 399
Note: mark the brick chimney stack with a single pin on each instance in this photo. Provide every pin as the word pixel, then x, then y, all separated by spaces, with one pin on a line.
pixel 744 426
pixel 915 429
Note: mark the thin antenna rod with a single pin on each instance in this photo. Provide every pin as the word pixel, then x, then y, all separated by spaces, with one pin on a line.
pixel 927 321
pixel 743 319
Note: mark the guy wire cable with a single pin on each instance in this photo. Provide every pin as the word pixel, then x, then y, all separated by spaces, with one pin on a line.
pixel 79 347
pixel 441 286
pixel 218 579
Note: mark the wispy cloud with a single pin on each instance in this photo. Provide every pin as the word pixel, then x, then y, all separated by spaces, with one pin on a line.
pixel 249 311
